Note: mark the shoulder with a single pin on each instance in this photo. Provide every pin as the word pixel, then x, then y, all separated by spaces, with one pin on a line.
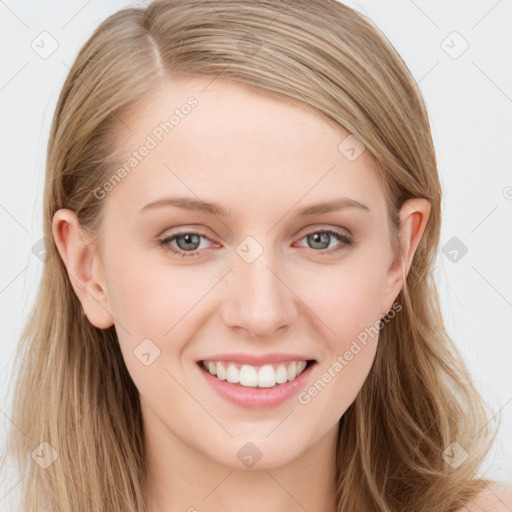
pixel 496 498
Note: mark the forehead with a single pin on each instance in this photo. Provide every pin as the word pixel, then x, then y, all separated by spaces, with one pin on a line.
pixel 213 137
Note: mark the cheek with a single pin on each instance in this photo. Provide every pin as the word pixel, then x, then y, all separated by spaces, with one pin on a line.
pixel 150 299
pixel 155 303
pixel 347 298
pixel 348 307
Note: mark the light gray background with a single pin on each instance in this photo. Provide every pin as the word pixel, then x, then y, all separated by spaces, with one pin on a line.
pixel 469 98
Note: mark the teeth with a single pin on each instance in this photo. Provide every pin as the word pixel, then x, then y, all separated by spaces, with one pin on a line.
pixel 232 374
pixel 267 376
pixel 292 371
pixel 221 371
pixel 282 374
pixel 248 375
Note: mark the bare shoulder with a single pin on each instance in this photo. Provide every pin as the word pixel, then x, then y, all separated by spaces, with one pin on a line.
pixel 494 498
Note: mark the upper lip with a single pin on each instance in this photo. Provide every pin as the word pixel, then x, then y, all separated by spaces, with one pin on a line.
pixel 256 360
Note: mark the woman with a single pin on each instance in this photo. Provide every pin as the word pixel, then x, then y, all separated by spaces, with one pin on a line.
pixel 237 308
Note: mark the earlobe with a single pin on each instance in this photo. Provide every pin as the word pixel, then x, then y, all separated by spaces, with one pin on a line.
pixel 414 215
pixel 82 267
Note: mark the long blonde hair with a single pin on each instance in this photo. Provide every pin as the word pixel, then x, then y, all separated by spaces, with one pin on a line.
pixel 73 390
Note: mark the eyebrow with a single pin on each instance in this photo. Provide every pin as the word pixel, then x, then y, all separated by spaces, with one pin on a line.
pixel 188 203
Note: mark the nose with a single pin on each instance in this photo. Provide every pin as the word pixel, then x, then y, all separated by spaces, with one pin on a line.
pixel 258 299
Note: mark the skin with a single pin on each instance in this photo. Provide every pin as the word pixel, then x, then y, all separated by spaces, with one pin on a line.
pixel 496 498
pixel 262 158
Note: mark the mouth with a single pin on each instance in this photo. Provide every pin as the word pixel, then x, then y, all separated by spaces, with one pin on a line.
pixel 251 376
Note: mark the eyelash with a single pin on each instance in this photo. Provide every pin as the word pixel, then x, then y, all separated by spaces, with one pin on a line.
pixel 347 242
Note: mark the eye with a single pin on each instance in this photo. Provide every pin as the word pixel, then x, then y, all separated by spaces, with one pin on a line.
pixel 187 241
pixel 321 239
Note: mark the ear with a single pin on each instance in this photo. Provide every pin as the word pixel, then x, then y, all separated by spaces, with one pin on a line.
pixel 83 267
pixel 413 220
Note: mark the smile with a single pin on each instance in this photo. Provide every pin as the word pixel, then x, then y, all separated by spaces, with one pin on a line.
pixel 266 376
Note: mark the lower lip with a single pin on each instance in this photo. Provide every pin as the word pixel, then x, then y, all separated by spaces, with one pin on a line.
pixel 254 397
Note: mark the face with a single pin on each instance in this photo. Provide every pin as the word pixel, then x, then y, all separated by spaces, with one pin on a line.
pixel 260 278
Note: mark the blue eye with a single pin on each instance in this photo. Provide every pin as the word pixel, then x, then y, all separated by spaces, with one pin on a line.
pixel 188 240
